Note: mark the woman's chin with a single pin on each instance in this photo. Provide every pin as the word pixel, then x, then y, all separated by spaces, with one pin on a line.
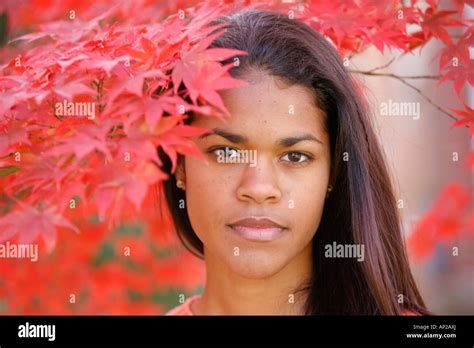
pixel 255 265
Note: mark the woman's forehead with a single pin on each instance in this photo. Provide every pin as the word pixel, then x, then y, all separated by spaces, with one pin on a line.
pixel 267 105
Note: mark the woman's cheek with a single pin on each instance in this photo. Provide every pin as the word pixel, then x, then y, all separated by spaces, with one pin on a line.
pixel 306 203
pixel 206 197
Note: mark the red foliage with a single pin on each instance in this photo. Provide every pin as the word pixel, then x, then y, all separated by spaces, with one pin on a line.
pixel 445 223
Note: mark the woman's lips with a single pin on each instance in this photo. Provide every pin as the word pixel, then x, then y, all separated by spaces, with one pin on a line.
pixel 258 234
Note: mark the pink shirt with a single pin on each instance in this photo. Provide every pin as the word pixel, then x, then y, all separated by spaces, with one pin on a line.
pixel 185 308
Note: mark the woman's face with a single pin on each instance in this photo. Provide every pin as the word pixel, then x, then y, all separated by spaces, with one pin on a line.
pixel 283 176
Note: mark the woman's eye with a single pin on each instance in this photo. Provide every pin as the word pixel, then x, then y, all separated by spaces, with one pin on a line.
pixel 297 158
pixel 225 152
pixel 229 154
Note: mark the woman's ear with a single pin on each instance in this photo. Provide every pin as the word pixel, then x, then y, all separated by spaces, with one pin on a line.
pixel 330 185
pixel 180 173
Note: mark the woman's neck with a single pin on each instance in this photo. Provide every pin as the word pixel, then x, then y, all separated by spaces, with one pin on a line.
pixel 228 293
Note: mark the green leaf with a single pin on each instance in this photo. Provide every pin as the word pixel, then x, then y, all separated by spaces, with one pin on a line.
pixel 4 171
pixel 160 252
pixel 130 229
pixel 135 296
pixel 169 297
pixel 106 253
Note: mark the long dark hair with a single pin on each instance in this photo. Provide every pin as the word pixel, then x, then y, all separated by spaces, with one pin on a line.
pixel 361 209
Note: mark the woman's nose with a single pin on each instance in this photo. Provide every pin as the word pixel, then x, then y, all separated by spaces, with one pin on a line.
pixel 259 183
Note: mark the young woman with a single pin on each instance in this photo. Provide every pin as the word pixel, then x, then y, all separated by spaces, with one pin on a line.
pixel 293 210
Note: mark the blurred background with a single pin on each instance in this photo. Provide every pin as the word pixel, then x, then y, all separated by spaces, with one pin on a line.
pixel 425 155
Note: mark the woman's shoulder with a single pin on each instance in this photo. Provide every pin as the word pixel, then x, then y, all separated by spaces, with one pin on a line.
pixel 407 311
pixel 184 308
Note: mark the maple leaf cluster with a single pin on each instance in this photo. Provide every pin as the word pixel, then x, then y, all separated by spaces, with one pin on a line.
pixel 94 89
pixel 107 155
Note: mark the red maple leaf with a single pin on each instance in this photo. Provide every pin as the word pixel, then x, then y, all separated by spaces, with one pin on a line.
pixel 435 22
pixel 28 223
pixel 467 118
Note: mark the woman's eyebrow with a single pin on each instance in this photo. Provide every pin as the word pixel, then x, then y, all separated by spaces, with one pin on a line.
pixel 232 137
pixel 290 141
pixel 240 139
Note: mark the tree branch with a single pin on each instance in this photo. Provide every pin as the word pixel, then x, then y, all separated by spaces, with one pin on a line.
pixel 380 67
pixel 372 73
pixel 403 79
